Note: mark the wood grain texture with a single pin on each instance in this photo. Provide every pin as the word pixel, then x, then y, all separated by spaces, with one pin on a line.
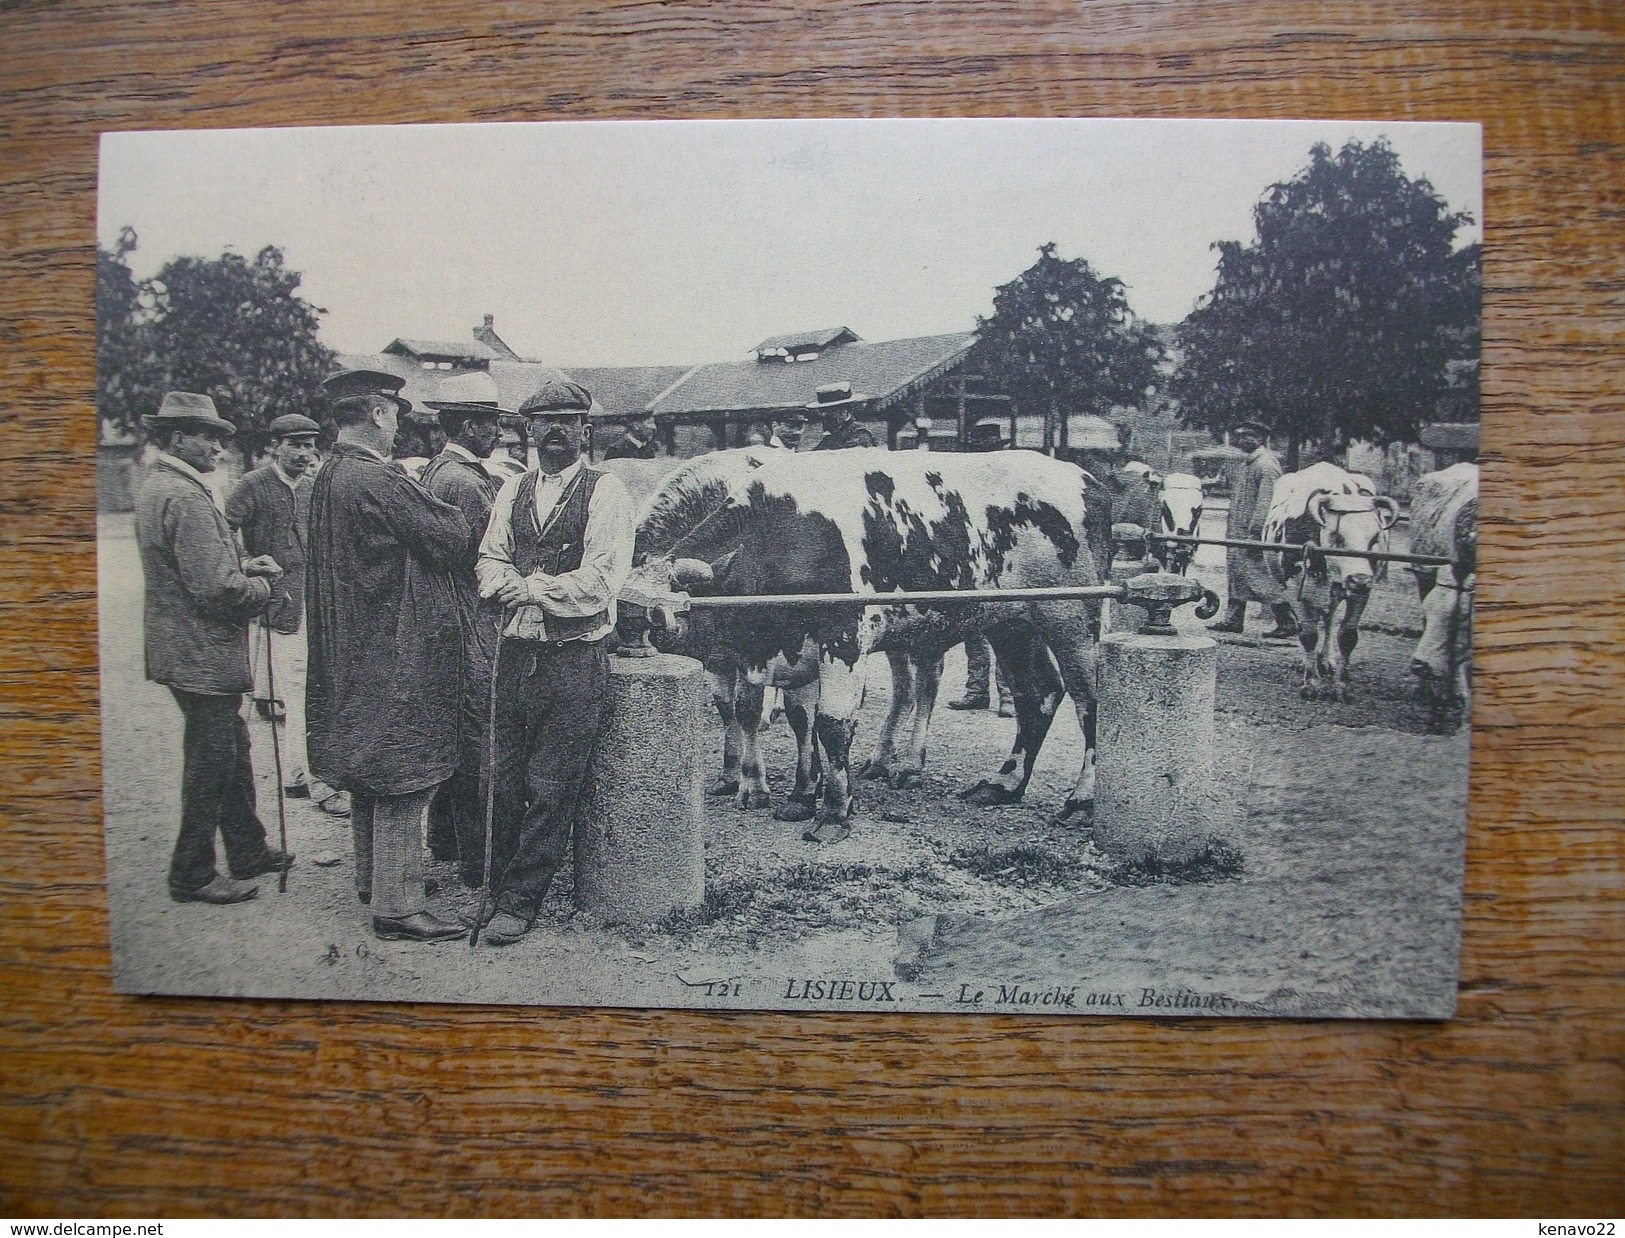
pixel 141 1107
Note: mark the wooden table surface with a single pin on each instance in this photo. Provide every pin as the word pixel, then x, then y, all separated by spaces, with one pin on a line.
pixel 152 1107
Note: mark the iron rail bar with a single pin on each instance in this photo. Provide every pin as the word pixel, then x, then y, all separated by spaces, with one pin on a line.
pixel 1059 593
pixel 1307 548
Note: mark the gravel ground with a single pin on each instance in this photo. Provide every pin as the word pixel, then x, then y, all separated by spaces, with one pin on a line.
pixel 1348 821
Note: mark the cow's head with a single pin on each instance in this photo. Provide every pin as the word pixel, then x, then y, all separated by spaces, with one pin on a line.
pixel 1352 522
pixel 1180 513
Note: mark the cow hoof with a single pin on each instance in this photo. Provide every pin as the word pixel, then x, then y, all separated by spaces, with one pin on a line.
pixel 874 771
pixel 1075 812
pixel 828 832
pixel 794 811
pixel 905 779
pixel 753 799
pixel 987 794
pixel 723 785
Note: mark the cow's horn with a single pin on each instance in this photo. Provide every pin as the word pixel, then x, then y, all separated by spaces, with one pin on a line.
pixel 1387 511
pixel 690 572
pixel 1317 507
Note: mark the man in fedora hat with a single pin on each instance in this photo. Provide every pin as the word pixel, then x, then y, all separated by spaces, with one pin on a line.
pixel 469 406
pixel 834 405
pixel 1249 578
pixel 386 649
pixel 555 555
pixel 200 599
pixel 270 511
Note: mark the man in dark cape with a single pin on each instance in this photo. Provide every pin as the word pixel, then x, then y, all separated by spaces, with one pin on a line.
pixel 386 650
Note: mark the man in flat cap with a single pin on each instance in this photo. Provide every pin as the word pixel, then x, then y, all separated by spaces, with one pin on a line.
pixel 200 599
pixel 469 406
pixel 555 555
pixel 1249 577
pixel 270 511
pixel 386 649
pixel 834 404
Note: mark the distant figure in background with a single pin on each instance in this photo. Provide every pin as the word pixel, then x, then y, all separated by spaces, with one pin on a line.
pixel 1250 579
pixel 468 408
pixel 639 442
pixel 270 510
pixel 200 600
pixel 512 453
pixel 788 429
pixel 386 650
pixel 759 435
pixel 835 405
pixel 980 667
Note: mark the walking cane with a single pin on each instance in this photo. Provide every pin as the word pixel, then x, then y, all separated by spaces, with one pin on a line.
pixel 276 752
pixel 487 907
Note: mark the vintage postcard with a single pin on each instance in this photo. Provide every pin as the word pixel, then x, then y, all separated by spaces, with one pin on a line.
pixel 1013 566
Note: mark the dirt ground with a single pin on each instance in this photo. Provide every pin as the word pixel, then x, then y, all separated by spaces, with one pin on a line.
pixel 1348 821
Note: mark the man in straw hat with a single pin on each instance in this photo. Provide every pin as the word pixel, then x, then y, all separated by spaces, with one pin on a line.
pixel 270 511
pixel 200 599
pixel 1249 577
pixel 834 404
pixel 386 649
pixel 469 406
pixel 555 555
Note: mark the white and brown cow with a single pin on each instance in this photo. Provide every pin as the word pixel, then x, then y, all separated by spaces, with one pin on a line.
pixel 866 522
pixel 1444 522
pixel 1327 506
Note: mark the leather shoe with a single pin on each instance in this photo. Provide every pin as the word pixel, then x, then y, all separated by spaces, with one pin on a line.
pixel 220 891
pixel 420 926
pixel 336 805
pixel 271 711
pixel 969 701
pixel 504 929
pixel 273 861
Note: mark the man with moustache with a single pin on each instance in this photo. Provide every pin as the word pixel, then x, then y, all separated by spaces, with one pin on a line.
pixel 555 555
pixel 200 599
pixel 386 649
pixel 469 408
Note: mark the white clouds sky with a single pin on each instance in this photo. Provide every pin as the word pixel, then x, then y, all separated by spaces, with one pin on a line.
pixel 680 242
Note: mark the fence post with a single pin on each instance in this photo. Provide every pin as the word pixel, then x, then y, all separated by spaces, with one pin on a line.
pixel 1154 738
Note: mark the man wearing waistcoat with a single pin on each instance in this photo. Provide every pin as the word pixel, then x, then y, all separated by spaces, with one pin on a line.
pixel 555 555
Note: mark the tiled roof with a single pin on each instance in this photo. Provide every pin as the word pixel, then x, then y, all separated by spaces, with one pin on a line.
pixel 809 339
pixel 619 391
pixel 514 379
pixel 885 372
pixel 443 350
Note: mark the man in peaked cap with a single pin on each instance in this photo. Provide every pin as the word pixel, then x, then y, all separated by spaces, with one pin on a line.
pixel 555 555
pixel 1249 578
pixel 834 404
pixel 386 651
pixel 270 511
pixel 469 406
pixel 200 599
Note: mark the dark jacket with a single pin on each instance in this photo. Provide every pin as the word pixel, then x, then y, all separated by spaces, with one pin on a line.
pixel 198 602
pixel 386 637
pixel 626 449
pixel 849 435
pixel 274 520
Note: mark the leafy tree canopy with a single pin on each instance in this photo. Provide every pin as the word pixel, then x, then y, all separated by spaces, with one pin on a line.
pixel 1063 340
pixel 1351 316
pixel 230 328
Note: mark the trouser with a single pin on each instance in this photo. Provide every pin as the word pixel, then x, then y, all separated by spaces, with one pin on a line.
pixel 457 813
pixel 550 709
pixel 388 834
pixel 289 652
pixel 217 791
pixel 979 665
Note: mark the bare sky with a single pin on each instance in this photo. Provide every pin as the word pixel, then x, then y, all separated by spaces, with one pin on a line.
pixel 677 242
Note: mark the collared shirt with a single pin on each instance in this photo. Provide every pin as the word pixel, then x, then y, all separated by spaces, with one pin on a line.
pixel 457 449
pixel 606 556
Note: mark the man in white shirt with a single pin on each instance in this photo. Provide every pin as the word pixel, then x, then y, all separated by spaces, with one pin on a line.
pixel 556 553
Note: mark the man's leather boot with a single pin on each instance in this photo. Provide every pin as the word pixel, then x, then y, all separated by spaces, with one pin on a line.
pixel 1286 622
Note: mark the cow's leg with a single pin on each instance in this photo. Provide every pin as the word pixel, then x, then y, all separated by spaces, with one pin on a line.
pixel 927 671
pixel 749 692
pixel 902 702
pixel 840 690
pixel 1072 632
pixel 722 696
pixel 800 705
pixel 1309 641
pixel 1348 636
pixel 1037 691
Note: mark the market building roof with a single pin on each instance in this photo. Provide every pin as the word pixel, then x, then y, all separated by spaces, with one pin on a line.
pixel 619 392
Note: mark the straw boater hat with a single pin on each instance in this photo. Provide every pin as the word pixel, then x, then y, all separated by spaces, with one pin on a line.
pixel 292 425
pixel 185 408
pixel 1257 428
pixel 557 395
pixel 474 393
pixel 834 395
pixel 347 383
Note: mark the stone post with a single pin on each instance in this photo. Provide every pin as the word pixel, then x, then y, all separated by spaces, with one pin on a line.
pixel 639 844
pixel 1154 734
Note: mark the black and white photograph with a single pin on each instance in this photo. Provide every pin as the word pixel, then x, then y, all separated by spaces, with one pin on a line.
pixel 950 566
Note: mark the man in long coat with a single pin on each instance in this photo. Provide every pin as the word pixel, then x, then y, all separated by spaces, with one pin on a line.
pixel 199 603
pixel 386 650
pixel 1249 576
pixel 469 408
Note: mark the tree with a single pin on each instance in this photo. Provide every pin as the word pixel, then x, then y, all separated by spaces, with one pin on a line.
pixel 1343 318
pixel 229 328
pixel 1062 340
